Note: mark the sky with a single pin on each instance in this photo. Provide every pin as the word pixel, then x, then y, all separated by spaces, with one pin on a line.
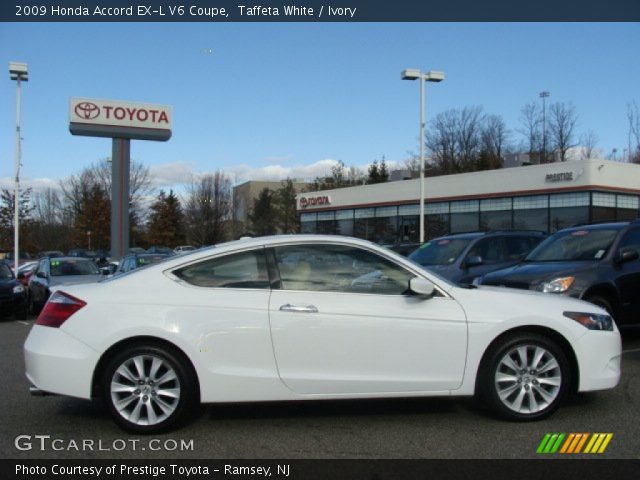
pixel 271 100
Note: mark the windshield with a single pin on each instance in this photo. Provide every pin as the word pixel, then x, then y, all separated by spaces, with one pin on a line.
pixel 61 268
pixel 442 251
pixel 574 245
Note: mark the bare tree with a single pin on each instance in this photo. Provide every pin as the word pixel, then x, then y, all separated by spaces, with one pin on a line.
pixel 531 129
pixel 562 126
pixel 494 137
pixel 207 209
pixel 589 144
pixel 633 115
pixel 457 138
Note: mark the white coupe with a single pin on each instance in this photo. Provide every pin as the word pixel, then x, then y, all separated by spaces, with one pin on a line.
pixel 308 317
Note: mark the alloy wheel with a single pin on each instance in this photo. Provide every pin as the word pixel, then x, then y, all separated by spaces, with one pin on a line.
pixel 528 379
pixel 145 389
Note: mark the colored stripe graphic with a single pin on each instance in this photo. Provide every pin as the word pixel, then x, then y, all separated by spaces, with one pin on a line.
pixel 555 443
pixel 550 443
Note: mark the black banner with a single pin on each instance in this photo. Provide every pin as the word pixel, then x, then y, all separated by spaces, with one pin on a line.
pixel 320 469
pixel 321 11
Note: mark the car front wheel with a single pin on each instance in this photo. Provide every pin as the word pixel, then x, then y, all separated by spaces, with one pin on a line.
pixel 525 377
pixel 148 389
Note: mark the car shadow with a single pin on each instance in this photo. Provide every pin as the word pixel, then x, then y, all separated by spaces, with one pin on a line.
pixel 332 408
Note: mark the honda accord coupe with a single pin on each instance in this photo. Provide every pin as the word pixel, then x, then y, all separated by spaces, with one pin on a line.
pixel 307 317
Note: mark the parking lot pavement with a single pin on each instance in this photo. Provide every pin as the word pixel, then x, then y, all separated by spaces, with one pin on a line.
pixel 415 428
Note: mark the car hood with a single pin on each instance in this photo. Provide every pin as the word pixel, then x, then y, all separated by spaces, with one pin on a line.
pixel 491 305
pixel 530 274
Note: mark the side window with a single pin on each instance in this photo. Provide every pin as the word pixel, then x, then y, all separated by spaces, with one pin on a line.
pixel 516 246
pixel 240 270
pixel 337 268
pixel 491 250
pixel 631 239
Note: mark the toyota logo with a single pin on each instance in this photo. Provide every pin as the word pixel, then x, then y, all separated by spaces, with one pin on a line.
pixel 87 110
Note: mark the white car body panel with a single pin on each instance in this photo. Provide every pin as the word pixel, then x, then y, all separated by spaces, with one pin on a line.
pixel 243 348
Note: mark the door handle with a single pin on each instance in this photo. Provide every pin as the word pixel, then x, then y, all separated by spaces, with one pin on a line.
pixel 298 309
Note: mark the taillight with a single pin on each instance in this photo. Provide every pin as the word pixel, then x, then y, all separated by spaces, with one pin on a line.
pixel 58 309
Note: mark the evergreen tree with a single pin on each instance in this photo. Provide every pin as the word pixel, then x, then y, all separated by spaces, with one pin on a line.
pixel 93 215
pixel 264 215
pixel 285 198
pixel 166 221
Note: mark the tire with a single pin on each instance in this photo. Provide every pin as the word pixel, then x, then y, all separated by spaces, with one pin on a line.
pixel 21 314
pixel 532 395
pixel 138 398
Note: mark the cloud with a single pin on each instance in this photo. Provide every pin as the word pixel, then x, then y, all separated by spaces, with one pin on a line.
pixel 170 174
pixel 176 175
pixel 36 184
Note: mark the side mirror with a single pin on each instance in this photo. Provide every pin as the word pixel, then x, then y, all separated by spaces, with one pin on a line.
pixel 421 287
pixel 627 254
pixel 41 275
pixel 473 261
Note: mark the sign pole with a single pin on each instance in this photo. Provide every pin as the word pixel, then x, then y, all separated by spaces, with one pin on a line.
pixel 120 194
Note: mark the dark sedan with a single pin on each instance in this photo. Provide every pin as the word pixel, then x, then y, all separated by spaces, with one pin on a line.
pixel 598 263
pixel 53 272
pixel 13 296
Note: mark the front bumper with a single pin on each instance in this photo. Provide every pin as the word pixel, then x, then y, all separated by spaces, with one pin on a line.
pixel 58 363
pixel 599 354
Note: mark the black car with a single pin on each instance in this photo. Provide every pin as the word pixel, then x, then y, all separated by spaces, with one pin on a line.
pixel 13 295
pixel 59 271
pixel 463 257
pixel 598 263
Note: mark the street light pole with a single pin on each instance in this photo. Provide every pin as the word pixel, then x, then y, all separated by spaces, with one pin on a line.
pixel 430 76
pixel 544 96
pixel 17 72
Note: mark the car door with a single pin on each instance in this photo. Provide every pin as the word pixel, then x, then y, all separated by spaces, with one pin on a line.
pixel 344 322
pixel 39 283
pixel 627 276
pixel 223 308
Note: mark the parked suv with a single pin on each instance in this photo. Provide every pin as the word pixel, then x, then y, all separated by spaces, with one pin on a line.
pixel 463 257
pixel 598 263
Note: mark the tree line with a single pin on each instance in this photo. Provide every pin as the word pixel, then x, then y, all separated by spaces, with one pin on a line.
pixel 78 213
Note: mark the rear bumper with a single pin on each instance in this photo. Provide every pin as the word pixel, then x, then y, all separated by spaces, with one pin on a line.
pixel 599 354
pixel 58 363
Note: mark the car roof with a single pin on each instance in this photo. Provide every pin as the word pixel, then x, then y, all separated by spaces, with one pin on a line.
pixel 597 226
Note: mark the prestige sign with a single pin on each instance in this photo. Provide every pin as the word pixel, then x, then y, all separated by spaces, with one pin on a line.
pixel 114 118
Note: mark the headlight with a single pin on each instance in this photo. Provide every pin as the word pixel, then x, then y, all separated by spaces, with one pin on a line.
pixel 18 289
pixel 593 321
pixel 558 285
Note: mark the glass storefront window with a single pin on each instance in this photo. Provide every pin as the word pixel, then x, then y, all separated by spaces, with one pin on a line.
pixel 308 222
pixel 627 207
pixel 326 223
pixel 344 222
pixel 564 217
pixel 436 225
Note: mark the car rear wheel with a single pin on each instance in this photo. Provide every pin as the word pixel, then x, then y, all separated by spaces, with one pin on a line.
pixel 525 377
pixel 148 389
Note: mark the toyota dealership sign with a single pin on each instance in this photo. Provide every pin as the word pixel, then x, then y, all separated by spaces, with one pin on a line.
pixel 114 118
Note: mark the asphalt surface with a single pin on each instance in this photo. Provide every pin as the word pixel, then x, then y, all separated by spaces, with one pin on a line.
pixel 415 428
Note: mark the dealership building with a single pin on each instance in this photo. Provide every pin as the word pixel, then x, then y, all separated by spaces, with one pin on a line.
pixel 544 197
